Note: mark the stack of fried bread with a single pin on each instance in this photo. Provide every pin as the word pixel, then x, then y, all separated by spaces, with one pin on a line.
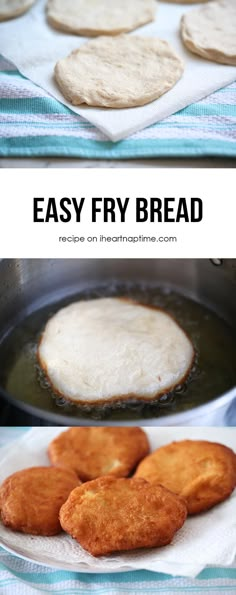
pixel 128 499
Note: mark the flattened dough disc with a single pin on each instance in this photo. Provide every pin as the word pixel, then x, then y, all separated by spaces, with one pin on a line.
pixel 9 9
pixel 100 17
pixel 111 349
pixel 118 72
pixel 210 31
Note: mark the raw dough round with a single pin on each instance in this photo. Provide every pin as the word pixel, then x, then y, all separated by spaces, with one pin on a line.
pixel 9 9
pixel 119 72
pixel 210 31
pixel 100 17
pixel 113 349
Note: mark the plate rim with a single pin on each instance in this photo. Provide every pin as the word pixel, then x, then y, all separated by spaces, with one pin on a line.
pixel 59 567
pixel 82 566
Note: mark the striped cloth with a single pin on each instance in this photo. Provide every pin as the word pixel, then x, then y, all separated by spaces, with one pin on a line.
pixel 32 123
pixel 18 577
pixel 22 578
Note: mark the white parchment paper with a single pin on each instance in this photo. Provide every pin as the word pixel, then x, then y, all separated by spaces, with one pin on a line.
pixel 34 47
pixel 206 539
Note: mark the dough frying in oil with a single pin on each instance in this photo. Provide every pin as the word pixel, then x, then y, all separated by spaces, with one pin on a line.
pixel 112 349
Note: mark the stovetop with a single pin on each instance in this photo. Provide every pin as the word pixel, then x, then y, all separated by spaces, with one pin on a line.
pixel 12 416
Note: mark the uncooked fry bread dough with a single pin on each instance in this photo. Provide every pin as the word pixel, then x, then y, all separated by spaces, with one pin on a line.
pixel 113 349
pixel 13 8
pixel 202 472
pixel 118 72
pixel 94 452
pixel 210 31
pixel 100 17
pixel 108 514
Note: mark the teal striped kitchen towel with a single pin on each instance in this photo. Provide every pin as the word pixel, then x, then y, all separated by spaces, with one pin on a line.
pixel 20 577
pixel 33 124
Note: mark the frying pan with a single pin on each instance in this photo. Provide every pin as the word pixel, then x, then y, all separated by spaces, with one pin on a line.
pixel 200 293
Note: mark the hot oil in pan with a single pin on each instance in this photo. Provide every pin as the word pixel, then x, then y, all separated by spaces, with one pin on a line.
pixel 213 374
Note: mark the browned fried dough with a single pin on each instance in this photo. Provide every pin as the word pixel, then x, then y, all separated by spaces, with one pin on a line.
pixel 110 514
pixel 30 499
pixel 203 473
pixel 93 452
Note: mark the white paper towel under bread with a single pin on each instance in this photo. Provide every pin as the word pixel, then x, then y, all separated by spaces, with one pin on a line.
pixel 206 539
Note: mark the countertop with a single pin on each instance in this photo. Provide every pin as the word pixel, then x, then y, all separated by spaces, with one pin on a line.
pixel 131 163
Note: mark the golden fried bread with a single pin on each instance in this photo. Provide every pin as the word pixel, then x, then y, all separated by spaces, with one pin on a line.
pixel 93 452
pixel 204 473
pixel 110 514
pixel 30 499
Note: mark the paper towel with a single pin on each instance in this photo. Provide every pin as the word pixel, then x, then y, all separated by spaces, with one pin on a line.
pixel 205 539
pixel 34 47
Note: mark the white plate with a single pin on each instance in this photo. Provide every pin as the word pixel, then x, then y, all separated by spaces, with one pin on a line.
pixel 35 47
pixel 63 552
